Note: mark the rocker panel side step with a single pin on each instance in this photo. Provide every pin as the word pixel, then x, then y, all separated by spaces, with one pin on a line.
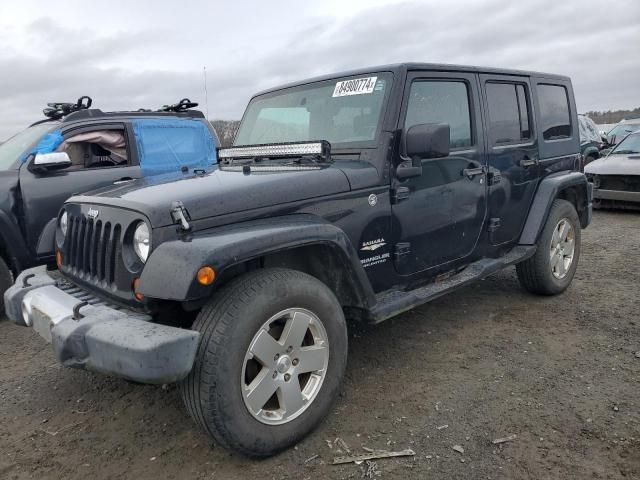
pixel 395 302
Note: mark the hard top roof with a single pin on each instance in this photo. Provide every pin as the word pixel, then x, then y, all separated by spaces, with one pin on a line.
pixel 400 67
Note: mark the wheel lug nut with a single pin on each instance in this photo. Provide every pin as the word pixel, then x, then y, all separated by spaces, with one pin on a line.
pixel 287 377
pixel 277 356
pixel 275 374
pixel 289 349
pixel 295 361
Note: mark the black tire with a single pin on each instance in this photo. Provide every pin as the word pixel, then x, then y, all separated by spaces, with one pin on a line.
pixel 6 280
pixel 228 322
pixel 535 274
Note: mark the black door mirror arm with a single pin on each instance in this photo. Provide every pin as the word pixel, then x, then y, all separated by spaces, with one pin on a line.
pixel 403 170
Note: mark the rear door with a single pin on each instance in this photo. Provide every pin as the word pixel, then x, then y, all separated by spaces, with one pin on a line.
pixel 512 153
pixel 93 165
pixel 438 217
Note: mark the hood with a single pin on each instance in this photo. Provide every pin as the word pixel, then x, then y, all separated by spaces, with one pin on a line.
pixel 217 192
pixel 615 165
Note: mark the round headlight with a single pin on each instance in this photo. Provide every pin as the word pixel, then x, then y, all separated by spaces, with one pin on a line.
pixel 142 241
pixel 63 223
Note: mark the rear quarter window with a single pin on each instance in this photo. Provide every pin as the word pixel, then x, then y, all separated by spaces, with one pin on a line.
pixel 554 111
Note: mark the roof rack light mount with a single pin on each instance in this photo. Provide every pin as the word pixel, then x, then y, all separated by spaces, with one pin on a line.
pixel 57 110
pixel 182 106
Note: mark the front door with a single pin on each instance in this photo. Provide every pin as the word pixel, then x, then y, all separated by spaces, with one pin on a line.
pixel 95 161
pixel 438 216
pixel 512 154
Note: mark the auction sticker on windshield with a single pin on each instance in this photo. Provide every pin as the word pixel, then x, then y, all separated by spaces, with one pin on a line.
pixel 356 86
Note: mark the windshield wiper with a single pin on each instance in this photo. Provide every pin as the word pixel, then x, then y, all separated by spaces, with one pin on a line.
pixel 624 152
pixel 313 159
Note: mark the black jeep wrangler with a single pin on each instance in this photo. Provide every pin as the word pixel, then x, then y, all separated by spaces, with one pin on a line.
pixel 76 149
pixel 353 196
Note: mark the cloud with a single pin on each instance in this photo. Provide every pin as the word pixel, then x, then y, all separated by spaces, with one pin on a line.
pixel 153 57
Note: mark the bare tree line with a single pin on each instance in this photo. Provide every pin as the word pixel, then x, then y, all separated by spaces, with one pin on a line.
pixel 613 116
pixel 226 130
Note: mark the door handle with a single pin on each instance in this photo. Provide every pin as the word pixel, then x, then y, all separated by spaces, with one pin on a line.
pixel 123 180
pixel 472 172
pixel 528 162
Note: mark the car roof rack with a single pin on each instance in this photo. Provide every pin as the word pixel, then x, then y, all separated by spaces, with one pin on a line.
pixel 71 112
pixel 182 106
pixel 57 110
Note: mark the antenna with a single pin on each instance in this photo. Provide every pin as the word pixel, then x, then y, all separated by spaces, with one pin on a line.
pixel 206 93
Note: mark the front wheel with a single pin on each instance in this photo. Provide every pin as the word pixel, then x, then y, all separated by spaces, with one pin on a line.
pixel 272 355
pixel 551 269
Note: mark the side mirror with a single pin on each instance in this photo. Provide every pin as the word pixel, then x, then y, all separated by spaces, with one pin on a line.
pixel 52 161
pixel 427 140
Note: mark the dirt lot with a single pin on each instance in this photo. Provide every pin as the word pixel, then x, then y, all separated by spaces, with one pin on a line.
pixel 562 374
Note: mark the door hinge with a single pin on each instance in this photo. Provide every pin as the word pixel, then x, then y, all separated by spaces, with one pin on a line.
pixel 494 224
pixel 493 178
pixel 401 249
pixel 400 193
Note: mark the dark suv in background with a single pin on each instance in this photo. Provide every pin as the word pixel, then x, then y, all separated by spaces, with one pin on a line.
pixel 354 196
pixel 77 149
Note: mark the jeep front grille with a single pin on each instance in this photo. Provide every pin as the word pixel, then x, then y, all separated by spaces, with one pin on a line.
pixel 93 248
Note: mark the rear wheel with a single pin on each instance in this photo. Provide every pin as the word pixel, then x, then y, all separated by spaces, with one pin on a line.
pixel 271 358
pixel 6 280
pixel 554 264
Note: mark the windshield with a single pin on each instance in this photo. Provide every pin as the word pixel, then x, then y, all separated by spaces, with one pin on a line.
pixel 13 148
pixel 624 129
pixel 628 146
pixel 345 111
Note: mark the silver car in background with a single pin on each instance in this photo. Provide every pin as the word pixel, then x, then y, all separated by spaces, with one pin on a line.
pixel 616 177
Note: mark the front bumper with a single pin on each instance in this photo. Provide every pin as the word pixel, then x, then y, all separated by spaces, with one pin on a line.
pixel 620 195
pixel 85 332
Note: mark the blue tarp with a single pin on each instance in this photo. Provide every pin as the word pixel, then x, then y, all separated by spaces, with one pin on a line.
pixel 167 145
pixel 47 144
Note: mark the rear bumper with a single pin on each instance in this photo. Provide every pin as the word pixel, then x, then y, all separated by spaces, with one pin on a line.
pixel 620 195
pixel 87 333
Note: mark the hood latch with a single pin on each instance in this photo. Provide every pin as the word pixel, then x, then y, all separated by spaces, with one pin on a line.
pixel 180 216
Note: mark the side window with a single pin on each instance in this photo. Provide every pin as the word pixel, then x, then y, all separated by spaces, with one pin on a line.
pixel 434 101
pixel 554 111
pixel 96 149
pixel 508 112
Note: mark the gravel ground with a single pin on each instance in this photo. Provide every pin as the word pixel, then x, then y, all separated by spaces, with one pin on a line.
pixel 562 374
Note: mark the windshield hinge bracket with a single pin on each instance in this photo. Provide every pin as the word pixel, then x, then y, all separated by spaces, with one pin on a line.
pixel 180 216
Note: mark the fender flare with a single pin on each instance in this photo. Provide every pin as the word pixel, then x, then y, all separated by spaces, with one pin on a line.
pixel 548 190
pixel 170 271
pixel 13 244
pixel 46 241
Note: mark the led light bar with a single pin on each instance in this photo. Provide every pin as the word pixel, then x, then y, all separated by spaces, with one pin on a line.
pixel 268 168
pixel 276 150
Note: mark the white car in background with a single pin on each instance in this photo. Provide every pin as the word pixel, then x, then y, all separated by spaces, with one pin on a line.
pixel 616 177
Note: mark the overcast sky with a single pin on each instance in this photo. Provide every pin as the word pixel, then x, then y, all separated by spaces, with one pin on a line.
pixel 128 54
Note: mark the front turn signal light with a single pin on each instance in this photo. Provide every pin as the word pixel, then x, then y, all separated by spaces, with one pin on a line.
pixel 206 276
pixel 59 258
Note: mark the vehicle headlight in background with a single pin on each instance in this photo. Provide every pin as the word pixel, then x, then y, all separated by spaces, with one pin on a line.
pixel 64 223
pixel 142 241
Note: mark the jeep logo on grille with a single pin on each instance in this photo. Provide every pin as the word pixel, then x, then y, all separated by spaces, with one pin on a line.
pixel 93 213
